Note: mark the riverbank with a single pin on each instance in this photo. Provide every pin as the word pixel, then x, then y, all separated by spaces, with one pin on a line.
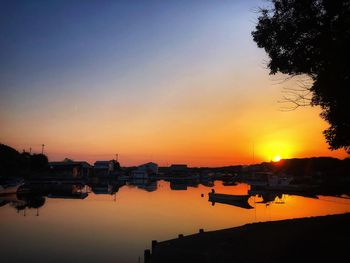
pixel 314 239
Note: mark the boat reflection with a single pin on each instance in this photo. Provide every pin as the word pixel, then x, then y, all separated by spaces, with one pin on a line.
pixel 234 200
pixel 247 201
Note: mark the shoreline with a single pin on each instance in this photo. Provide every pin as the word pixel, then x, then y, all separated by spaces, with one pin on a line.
pixel 310 239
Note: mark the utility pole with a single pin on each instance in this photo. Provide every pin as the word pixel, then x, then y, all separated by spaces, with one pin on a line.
pixel 253 152
pixel 42 148
pixel 253 158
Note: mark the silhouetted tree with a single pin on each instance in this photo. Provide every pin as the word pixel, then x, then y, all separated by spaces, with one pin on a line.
pixel 312 37
pixel 25 161
pixel 13 163
pixel 9 160
pixel 39 162
pixel 117 166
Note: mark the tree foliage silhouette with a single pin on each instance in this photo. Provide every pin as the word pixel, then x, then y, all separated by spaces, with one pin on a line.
pixel 312 37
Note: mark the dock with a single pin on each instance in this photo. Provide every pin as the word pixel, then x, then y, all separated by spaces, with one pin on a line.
pixel 314 239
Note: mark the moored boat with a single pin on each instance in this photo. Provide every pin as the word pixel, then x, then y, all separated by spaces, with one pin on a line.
pixel 234 200
pixel 214 197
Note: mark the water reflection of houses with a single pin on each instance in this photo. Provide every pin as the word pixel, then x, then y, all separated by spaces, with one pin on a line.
pixel 106 186
pixel 55 190
pixel 68 191
pixel 207 183
pixel 179 184
pixel 33 195
pixel 145 184
pixel 102 188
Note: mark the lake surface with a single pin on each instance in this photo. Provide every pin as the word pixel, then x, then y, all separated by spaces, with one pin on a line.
pixel 116 224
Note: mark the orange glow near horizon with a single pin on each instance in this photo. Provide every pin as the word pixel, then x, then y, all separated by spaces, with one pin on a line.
pixel 164 138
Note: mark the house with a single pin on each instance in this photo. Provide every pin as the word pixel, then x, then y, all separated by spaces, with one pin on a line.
pixel 104 168
pixel 139 174
pixel 70 169
pixel 178 169
pixel 145 170
pixel 149 168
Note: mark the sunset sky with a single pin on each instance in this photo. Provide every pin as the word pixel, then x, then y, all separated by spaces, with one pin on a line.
pixel 163 81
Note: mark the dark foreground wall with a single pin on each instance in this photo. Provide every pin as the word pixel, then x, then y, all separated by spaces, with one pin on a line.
pixel 318 239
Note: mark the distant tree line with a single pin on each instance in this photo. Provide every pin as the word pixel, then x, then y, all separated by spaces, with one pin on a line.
pixel 310 166
pixel 330 170
pixel 13 163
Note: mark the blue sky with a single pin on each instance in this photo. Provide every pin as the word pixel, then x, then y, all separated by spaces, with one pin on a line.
pixel 60 40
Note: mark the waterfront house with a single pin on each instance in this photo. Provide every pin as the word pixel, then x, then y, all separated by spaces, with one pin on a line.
pixel 105 168
pixel 145 170
pixel 149 168
pixel 70 169
pixel 139 174
pixel 178 169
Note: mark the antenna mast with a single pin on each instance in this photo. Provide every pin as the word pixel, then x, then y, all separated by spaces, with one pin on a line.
pixel 253 153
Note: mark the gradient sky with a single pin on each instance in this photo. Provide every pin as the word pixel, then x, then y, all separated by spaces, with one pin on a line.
pixel 167 81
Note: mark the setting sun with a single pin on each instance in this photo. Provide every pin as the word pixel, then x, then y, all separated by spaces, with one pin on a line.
pixel 277 158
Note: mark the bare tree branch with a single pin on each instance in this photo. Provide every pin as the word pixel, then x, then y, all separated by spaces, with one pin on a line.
pixel 299 95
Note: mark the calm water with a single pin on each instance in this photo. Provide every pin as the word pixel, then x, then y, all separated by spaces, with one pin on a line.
pixel 117 227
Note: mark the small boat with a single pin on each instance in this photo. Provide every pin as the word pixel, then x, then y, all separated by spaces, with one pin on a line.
pixel 214 197
pixel 234 200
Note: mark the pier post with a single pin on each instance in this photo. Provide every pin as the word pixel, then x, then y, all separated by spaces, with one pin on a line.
pixel 154 244
pixel 147 256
